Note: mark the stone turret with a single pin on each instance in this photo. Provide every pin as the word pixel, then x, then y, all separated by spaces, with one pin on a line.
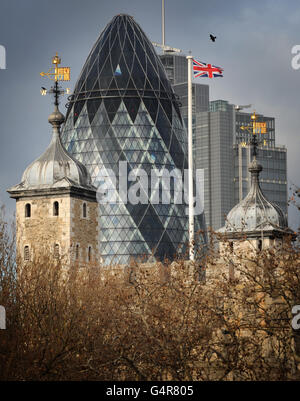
pixel 255 219
pixel 56 208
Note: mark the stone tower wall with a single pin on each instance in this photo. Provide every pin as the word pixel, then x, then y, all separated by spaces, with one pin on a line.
pixel 42 230
pixel 84 231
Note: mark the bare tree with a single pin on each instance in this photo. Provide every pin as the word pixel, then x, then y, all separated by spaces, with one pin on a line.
pixel 150 322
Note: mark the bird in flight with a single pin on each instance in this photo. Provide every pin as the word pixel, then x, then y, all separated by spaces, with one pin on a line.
pixel 212 37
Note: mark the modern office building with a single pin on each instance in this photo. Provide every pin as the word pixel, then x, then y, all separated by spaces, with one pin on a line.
pixel 272 156
pixel 175 66
pixel 213 139
pixel 124 109
pixel 213 152
pixel 177 73
pixel 222 148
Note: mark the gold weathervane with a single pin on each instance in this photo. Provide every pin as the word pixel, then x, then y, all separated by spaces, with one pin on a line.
pixel 60 73
pixel 56 74
pixel 255 128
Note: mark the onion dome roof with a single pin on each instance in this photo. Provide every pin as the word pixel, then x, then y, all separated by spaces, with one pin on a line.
pixel 255 213
pixel 55 167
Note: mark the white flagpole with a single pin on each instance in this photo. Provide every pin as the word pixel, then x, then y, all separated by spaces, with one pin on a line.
pixel 163 21
pixel 190 159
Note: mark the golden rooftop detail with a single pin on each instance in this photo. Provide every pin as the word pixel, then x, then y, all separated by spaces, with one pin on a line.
pixel 57 73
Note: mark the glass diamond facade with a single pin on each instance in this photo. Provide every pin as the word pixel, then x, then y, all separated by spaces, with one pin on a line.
pixel 124 109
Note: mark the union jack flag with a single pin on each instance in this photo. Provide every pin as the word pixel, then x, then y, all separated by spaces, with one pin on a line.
pixel 206 70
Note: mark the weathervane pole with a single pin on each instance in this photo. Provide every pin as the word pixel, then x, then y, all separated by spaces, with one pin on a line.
pixel 253 138
pixel 56 74
pixel 190 160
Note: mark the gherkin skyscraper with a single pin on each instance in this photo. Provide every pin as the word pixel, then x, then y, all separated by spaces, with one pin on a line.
pixel 123 109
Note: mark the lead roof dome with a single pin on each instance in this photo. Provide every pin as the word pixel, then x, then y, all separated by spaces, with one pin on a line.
pixel 255 213
pixel 55 167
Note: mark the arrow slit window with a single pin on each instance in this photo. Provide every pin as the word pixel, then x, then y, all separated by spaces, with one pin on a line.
pixel 27 210
pixel 55 208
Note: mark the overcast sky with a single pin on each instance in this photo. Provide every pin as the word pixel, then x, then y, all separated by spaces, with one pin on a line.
pixel 254 42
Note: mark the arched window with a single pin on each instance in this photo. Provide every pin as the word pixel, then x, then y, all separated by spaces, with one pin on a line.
pixel 77 252
pixel 84 210
pixel 90 253
pixel 56 251
pixel 55 208
pixel 28 210
pixel 26 253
